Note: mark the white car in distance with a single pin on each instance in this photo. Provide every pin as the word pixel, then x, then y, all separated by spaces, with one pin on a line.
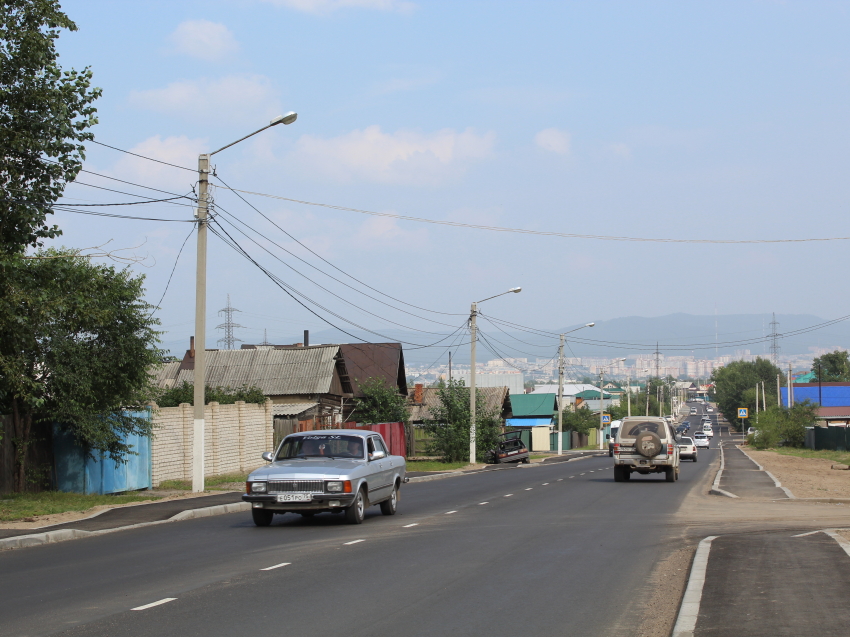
pixel 687 449
pixel 701 441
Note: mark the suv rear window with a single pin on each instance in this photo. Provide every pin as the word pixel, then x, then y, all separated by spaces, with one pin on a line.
pixel 631 430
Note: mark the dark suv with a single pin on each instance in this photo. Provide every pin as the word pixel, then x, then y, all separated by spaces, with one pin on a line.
pixel 510 448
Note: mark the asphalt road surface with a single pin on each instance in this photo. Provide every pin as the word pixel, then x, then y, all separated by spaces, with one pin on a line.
pixel 556 549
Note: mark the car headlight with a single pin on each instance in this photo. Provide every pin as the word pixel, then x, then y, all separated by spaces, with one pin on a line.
pixel 258 487
pixel 334 486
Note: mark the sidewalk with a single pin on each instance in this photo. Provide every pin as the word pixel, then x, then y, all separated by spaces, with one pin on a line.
pixel 743 478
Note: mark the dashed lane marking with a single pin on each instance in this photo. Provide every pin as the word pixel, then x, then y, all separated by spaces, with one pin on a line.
pixel 450 512
pixel 353 542
pixel 508 495
pixel 407 526
pixel 572 476
pixel 529 488
pixel 805 534
pixel 544 484
pixel 271 568
pixel 152 604
pixel 581 474
pixel 480 503
pixel 560 480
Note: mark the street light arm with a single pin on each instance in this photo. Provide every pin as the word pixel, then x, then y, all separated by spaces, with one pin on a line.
pixel 283 119
pixel 500 294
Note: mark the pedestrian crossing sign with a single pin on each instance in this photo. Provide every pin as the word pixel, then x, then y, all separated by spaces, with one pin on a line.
pixel 743 412
pixel 606 419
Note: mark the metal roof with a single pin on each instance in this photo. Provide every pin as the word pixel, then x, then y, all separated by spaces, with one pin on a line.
pixel 165 375
pixel 533 405
pixel 301 370
pixel 494 401
pixel 291 409
pixel 370 360
pixel 591 394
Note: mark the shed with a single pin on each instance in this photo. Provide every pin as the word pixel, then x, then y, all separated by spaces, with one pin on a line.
pixel 535 412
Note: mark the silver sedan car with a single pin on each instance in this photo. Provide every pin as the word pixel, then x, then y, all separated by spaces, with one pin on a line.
pixel 340 471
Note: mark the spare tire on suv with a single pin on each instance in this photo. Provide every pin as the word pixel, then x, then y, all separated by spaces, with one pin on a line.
pixel 648 444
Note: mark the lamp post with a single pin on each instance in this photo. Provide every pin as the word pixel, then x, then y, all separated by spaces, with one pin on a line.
pixel 629 388
pixel 473 337
pixel 201 304
pixel 602 398
pixel 561 385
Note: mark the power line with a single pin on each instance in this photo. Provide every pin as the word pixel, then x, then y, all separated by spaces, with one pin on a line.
pixel 237 193
pixel 168 283
pixel 159 161
pixel 565 235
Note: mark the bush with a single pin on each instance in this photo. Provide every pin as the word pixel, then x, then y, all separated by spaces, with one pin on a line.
pixel 780 426
pixel 185 393
pixel 449 425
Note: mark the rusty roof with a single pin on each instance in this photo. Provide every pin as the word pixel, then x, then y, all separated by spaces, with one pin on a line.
pixel 495 399
pixel 369 360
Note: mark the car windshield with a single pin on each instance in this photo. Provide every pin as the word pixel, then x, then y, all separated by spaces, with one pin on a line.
pixel 699 435
pixel 631 430
pixel 321 446
pixel 686 441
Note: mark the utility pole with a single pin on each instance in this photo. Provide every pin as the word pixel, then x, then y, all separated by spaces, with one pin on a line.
pixel 200 327
pixel 629 390
pixel 790 387
pixel 763 398
pixel 560 396
pixel 601 405
pixel 473 336
pixel 757 403
pixel 450 368
pixel 778 392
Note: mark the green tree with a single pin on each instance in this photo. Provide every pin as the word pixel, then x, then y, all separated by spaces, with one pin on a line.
pixel 582 420
pixel 79 347
pixel 449 424
pixel 783 426
pixel 832 367
pixel 380 403
pixel 735 385
pixel 45 114
pixel 185 393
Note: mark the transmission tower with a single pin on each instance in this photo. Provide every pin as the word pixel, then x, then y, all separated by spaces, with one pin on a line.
pixel 774 340
pixel 265 338
pixel 228 326
pixel 657 362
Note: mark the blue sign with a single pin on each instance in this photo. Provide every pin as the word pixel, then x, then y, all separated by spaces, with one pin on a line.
pixel 743 412
pixel 606 419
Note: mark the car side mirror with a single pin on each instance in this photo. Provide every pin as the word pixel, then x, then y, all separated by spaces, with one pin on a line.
pixel 607 436
pixel 377 455
pixel 268 456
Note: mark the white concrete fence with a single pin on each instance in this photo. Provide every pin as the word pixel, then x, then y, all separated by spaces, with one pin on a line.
pixel 235 436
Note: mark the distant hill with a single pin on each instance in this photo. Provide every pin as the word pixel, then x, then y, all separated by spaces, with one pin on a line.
pixel 687 333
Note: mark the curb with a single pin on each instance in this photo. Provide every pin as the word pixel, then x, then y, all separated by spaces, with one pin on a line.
pixel 776 482
pixel 715 488
pixel 455 474
pixel 686 620
pixel 63 535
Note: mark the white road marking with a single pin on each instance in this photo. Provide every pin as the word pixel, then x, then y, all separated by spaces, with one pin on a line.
pixel 407 526
pixel 353 542
pixel 560 480
pixel 581 474
pixel 450 512
pixel 508 495
pixel 544 484
pixel 572 476
pixel 529 488
pixel 152 604
pixel 271 568
pixel 483 503
pixel 805 534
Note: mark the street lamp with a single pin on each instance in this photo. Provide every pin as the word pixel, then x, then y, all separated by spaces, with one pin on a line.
pixel 561 385
pixel 602 397
pixel 201 303
pixel 473 337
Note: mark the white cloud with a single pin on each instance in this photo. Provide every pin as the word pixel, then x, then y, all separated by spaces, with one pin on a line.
pixel 553 140
pixel 328 6
pixel 404 157
pixel 204 40
pixel 239 98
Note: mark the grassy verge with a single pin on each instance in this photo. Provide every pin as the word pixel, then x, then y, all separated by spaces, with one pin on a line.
pixel 589 448
pixel 838 457
pixel 25 506
pixel 434 465
pixel 211 482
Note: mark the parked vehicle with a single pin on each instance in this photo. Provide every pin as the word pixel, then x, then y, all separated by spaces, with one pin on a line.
pixel 510 448
pixel 701 440
pixel 687 449
pixel 645 445
pixel 339 470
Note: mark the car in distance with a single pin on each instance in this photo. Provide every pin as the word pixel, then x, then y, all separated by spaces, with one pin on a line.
pixel 339 470
pixel 693 411
pixel 509 448
pixel 751 431
pixel 701 441
pixel 687 449
pixel 646 444
pixel 708 431
pixel 615 426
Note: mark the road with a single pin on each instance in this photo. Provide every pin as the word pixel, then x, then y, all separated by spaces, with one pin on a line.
pixel 527 550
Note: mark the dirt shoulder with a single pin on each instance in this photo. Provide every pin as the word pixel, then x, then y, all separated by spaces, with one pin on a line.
pixel 804 477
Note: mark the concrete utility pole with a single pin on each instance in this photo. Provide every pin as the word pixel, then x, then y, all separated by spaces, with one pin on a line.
pixel 602 400
pixel 473 335
pixel 778 392
pixel 790 387
pixel 560 396
pixel 199 374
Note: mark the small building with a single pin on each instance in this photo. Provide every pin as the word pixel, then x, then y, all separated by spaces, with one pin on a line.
pixel 421 400
pixel 589 399
pixel 832 394
pixel 535 412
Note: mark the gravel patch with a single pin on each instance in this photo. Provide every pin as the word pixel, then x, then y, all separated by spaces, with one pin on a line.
pixel 805 477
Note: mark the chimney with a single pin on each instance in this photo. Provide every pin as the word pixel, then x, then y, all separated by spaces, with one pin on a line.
pixel 417 393
pixel 192 346
pixel 306 338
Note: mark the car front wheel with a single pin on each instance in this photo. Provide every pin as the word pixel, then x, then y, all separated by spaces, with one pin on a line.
pixel 262 517
pixel 355 513
pixel 388 507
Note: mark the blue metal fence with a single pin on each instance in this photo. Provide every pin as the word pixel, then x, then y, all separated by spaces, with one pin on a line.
pixel 79 472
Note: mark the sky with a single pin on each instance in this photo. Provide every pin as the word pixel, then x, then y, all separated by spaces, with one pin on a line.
pixel 664 120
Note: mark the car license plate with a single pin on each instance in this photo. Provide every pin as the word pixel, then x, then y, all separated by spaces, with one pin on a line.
pixel 643 461
pixel 294 497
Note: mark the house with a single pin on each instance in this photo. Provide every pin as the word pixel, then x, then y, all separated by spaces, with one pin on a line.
pixel 570 391
pixel 535 412
pixel 589 399
pixel 370 360
pixel 421 400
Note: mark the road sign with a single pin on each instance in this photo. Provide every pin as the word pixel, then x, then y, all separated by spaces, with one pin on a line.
pixel 743 412
pixel 606 419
